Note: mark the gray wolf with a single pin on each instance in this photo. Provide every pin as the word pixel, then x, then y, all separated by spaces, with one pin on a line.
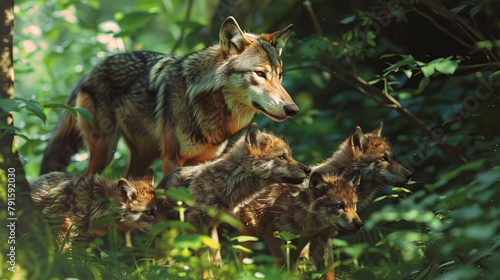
pixel 181 108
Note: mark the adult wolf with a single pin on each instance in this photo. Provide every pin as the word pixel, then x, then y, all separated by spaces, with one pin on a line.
pixel 182 108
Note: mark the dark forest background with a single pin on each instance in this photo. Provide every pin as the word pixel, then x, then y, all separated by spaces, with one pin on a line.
pixel 429 70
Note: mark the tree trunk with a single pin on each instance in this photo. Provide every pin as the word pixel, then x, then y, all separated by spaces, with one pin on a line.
pixel 11 170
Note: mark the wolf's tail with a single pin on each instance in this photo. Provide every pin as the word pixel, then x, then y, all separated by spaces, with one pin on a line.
pixel 66 140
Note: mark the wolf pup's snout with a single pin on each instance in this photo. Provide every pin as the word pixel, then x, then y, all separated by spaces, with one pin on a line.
pixel 291 109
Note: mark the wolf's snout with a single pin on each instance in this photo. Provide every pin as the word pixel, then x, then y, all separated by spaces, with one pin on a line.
pixel 291 109
pixel 358 224
pixel 307 170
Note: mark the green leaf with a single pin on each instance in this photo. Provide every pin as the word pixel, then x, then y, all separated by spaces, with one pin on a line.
pixel 136 20
pixel 85 114
pixel 423 84
pixel 242 248
pixel 179 225
pixel 408 73
pixel 187 24
pixel 347 20
pixel 8 105
pixel 181 194
pixel 407 60
pixel 447 66
pixel 285 235
pixel 69 109
pixel 428 70
pixel 494 74
pixel 387 55
pixel 194 241
pixel 458 9
pixel 23 136
pixel 74 111
pixel 473 165
pixel 475 10
pixel 244 238
pixel 36 108
pixel 288 246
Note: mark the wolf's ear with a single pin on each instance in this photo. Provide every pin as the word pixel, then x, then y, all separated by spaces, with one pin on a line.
pixel 149 176
pixel 232 39
pixel 254 137
pixel 378 131
pixel 125 190
pixel 357 140
pixel 316 182
pixel 355 181
pixel 278 38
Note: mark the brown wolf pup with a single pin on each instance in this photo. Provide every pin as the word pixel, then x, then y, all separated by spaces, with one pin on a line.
pixel 316 213
pixel 369 156
pixel 181 108
pixel 256 160
pixel 79 201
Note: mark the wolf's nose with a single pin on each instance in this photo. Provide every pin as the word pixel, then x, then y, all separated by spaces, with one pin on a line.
pixel 308 170
pixel 291 109
pixel 358 225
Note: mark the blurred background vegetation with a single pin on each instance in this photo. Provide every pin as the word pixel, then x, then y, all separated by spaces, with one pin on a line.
pixel 430 70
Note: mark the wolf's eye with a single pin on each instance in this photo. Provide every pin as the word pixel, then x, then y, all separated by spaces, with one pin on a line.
pixel 282 157
pixel 260 74
pixel 149 212
pixel 339 205
pixel 280 75
pixel 385 158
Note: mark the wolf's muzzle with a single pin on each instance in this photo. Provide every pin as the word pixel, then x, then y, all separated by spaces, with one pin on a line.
pixel 291 109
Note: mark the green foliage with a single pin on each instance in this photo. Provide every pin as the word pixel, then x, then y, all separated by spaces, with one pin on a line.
pixel 429 72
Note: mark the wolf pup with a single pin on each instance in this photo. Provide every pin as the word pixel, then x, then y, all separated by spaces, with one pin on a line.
pixel 182 108
pixel 255 161
pixel 315 213
pixel 370 156
pixel 79 201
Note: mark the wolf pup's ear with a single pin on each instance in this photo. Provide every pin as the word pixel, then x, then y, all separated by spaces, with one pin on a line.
pixel 316 183
pixel 254 137
pixel 278 38
pixel 232 39
pixel 378 131
pixel 356 141
pixel 149 176
pixel 355 181
pixel 126 191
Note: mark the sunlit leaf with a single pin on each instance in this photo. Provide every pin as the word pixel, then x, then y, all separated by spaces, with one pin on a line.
pixel 244 238
pixel 242 248
pixel 428 70
pixel 447 66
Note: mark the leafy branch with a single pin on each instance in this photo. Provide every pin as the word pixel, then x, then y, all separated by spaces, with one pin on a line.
pixel 382 97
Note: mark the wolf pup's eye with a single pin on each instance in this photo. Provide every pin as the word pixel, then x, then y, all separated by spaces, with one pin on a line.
pixel 339 205
pixel 150 213
pixel 282 157
pixel 260 74
pixel 385 158
pixel 280 75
